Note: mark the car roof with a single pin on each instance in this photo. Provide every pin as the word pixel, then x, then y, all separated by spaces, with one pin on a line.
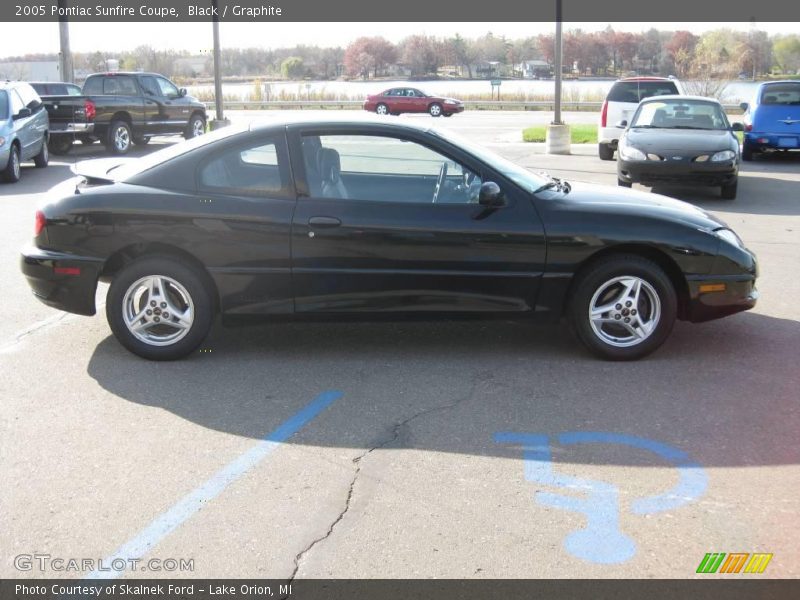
pixel 766 83
pixel 108 73
pixel 681 97
pixel 634 79
pixel 369 120
pixel 7 85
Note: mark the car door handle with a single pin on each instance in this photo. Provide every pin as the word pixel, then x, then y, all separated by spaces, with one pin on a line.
pixel 324 222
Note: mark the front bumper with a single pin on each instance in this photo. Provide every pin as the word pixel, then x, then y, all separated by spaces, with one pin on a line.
pixel 63 281
pixel 740 294
pixel 683 170
pixel 452 109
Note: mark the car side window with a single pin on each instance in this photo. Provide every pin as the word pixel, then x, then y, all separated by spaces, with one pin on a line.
pixel 149 85
pixel 93 86
pixel 385 169
pixel 3 105
pixel 119 86
pixel 30 98
pixel 259 168
pixel 168 89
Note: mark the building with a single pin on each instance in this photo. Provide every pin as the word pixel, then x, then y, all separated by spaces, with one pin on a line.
pixel 34 70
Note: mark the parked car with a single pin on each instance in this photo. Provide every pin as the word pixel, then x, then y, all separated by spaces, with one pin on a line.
pixel 295 218
pixel 772 119
pixel 400 100
pixel 621 102
pixel 23 129
pixel 680 139
pixel 121 108
pixel 55 88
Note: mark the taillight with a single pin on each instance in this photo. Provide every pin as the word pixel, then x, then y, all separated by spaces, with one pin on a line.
pixel 748 127
pixel 604 114
pixel 41 221
pixel 89 109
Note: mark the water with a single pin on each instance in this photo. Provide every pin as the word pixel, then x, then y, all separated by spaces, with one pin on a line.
pixel 573 91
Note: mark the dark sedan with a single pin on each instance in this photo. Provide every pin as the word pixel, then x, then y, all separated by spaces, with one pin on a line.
pixel 308 218
pixel 680 139
pixel 396 101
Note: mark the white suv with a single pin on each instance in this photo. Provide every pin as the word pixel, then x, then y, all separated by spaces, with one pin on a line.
pixel 621 102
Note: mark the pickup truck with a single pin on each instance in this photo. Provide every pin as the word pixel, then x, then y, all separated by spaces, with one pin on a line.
pixel 121 108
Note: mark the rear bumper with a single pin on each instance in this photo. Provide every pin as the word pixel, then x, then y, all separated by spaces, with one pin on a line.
pixel 649 172
pixel 760 141
pixel 63 281
pixel 740 294
pixel 609 135
pixel 62 128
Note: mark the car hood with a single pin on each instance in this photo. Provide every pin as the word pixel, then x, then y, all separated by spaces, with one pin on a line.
pixel 623 201
pixel 679 140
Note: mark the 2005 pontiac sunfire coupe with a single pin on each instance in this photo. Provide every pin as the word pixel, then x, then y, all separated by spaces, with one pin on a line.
pixel 324 217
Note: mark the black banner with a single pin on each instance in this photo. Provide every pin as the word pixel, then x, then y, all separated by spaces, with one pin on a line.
pixel 267 11
pixel 741 588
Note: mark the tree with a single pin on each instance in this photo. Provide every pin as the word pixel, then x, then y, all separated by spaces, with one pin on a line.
pixel 786 49
pixel 680 49
pixel 293 67
pixel 419 53
pixel 369 54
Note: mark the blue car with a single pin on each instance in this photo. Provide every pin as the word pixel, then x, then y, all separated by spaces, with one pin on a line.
pixel 24 128
pixel 772 119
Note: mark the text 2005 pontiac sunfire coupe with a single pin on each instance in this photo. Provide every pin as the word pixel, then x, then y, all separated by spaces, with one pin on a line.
pixel 295 218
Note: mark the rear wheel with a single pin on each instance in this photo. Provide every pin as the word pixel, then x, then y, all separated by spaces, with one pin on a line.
pixel 605 151
pixel 747 151
pixel 623 183
pixel 160 308
pixel 382 109
pixel 435 109
pixel 41 159
pixel 119 137
pixel 12 171
pixel 59 144
pixel 623 307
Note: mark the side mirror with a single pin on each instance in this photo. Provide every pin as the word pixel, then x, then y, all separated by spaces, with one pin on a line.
pixel 737 127
pixel 182 92
pixel 491 195
pixel 23 113
pixel 744 106
pixel 622 124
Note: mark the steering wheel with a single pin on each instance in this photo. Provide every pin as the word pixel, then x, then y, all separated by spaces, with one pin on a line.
pixel 440 182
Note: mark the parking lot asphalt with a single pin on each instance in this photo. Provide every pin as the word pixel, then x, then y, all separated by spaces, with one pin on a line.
pixel 410 449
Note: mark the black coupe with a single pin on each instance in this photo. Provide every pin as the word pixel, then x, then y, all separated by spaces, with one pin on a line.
pixel 295 218
pixel 680 139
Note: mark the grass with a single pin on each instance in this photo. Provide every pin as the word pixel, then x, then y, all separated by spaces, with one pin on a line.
pixel 579 134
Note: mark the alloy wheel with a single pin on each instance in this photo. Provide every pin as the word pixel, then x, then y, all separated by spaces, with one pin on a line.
pixel 624 311
pixel 158 310
pixel 122 138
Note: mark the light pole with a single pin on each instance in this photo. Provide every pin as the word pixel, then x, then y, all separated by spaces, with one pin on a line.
pixel 559 50
pixel 557 136
pixel 219 121
pixel 65 55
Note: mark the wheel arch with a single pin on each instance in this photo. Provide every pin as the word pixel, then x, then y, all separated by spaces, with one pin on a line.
pixel 652 253
pixel 126 255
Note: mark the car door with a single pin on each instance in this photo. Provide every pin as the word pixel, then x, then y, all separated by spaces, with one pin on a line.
pixel 23 125
pixel 416 101
pixel 175 106
pixel 368 236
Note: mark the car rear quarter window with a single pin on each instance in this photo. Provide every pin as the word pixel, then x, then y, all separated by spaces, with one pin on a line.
pixel 636 91
pixel 259 168
pixel 119 86
pixel 29 96
pixel 93 86
pixel 786 94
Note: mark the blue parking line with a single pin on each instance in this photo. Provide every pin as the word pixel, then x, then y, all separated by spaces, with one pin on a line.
pixel 164 524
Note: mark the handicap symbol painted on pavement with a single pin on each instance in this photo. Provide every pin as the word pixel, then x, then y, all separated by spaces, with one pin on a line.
pixel 602 540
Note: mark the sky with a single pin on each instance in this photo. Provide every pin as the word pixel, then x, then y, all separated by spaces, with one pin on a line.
pixel 26 38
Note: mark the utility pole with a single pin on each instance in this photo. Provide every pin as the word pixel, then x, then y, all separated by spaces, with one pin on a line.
pixel 65 55
pixel 558 64
pixel 557 136
pixel 220 119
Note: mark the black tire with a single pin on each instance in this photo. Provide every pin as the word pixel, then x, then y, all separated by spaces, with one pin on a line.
pixel 11 173
pixel 43 158
pixel 119 138
pixel 195 285
pixel 605 151
pixel 142 140
pixel 447 114
pixel 728 192
pixel 747 152
pixel 59 144
pixel 435 109
pixel 382 109
pixel 196 127
pixel 623 183
pixel 597 277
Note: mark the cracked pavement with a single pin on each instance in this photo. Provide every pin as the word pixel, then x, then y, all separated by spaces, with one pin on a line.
pixel 401 477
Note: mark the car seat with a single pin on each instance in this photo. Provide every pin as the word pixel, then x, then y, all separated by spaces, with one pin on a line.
pixel 330 168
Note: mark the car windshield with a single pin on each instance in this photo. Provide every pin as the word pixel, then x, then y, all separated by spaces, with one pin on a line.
pixel 786 94
pixel 526 179
pixel 3 104
pixel 125 171
pixel 680 113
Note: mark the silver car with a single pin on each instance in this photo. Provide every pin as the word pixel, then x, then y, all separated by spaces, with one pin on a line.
pixel 23 129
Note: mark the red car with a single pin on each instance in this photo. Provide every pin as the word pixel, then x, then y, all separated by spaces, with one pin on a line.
pixel 411 100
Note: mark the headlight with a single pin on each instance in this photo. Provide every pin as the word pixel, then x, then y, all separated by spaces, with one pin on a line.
pixel 631 153
pixel 723 156
pixel 451 101
pixel 729 236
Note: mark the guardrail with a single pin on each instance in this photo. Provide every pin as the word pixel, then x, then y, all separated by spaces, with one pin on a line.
pixel 545 105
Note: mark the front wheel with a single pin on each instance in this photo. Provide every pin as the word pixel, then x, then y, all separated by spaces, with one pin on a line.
pixel 160 308
pixel 195 128
pixel 12 171
pixel 623 307
pixel 623 183
pixel 382 109
pixel 141 140
pixel 728 192
pixel 435 110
